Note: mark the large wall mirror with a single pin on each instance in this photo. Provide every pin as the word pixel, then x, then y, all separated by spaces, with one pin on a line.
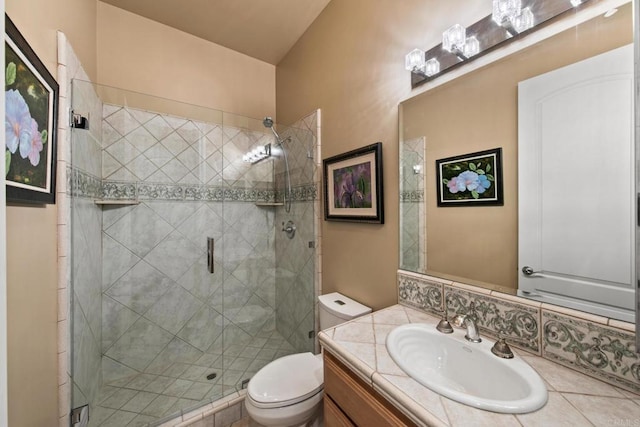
pixel 485 109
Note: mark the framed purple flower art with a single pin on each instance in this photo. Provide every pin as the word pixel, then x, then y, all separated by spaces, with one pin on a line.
pixel 473 179
pixel 31 104
pixel 353 186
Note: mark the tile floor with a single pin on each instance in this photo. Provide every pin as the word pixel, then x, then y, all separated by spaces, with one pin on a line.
pixel 146 398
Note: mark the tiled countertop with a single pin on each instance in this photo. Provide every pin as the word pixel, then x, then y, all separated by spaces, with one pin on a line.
pixel 574 398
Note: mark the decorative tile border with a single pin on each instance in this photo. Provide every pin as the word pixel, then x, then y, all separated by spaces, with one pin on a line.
pixel 303 193
pixel 420 293
pixel 119 190
pixel 146 191
pixel 414 196
pixel 600 350
pixel 597 350
pixel 82 184
pixel 518 323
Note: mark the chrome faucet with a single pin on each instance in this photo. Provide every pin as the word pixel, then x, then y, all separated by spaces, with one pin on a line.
pixel 463 321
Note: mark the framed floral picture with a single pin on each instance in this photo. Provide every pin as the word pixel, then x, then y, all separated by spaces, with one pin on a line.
pixel 31 105
pixel 473 179
pixel 353 186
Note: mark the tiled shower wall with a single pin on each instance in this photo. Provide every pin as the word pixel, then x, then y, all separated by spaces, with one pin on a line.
pixel 161 307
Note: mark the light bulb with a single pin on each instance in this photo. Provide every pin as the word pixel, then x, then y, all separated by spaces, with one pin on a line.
pixel 524 21
pixel 432 67
pixel 414 61
pixel 506 10
pixel 471 47
pixel 454 38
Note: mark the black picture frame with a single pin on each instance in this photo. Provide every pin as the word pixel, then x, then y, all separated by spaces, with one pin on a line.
pixel 473 179
pixel 31 120
pixel 353 189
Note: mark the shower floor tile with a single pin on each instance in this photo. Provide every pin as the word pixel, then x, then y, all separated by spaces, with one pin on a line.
pixel 146 398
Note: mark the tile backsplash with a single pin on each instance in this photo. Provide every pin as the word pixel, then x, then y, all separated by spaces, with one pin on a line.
pixel 600 347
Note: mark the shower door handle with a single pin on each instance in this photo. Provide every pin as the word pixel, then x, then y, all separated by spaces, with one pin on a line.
pixel 210 249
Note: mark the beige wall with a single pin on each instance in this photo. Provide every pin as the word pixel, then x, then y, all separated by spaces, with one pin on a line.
pixel 138 54
pixel 32 316
pixel 31 233
pixel 486 238
pixel 350 63
pixel 38 21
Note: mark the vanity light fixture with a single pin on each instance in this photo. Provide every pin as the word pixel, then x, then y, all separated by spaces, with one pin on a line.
pixel 257 154
pixel 508 21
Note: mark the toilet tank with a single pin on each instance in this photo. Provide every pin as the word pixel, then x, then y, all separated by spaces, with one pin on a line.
pixel 335 308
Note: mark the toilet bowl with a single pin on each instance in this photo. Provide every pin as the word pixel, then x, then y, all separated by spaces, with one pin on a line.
pixel 288 391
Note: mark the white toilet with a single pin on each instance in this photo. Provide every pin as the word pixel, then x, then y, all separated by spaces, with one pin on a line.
pixel 288 391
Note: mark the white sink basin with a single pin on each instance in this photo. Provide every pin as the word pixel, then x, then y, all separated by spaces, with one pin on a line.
pixel 466 372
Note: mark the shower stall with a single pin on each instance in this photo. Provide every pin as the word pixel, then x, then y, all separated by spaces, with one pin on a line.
pixel 190 268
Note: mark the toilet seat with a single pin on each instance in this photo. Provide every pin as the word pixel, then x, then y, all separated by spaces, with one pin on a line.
pixel 286 381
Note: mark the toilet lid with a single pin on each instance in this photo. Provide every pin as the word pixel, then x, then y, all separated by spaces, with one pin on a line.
pixel 287 380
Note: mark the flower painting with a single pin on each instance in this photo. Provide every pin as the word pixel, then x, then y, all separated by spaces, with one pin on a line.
pixel 470 179
pixel 353 185
pixel 30 119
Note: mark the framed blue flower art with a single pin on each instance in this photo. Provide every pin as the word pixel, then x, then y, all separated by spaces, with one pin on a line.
pixel 470 180
pixel 31 104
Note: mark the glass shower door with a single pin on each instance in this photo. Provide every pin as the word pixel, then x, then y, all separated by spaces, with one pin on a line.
pixel 147 311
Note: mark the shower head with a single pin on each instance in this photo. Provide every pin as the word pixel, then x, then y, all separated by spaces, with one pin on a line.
pixel 268 122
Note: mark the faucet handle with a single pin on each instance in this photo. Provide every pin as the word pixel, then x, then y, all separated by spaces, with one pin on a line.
pixel 443 325
pixel 502 349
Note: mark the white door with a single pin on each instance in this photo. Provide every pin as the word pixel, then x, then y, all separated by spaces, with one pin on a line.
pixel 575 151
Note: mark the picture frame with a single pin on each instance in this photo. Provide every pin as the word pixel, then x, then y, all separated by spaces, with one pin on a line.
pixel 353 186
pixel 31 112
pixel 473 179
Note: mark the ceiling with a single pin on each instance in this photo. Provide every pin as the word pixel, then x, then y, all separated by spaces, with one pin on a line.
pixel 263 29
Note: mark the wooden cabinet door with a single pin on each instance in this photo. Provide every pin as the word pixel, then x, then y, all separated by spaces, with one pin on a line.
pixel 362 405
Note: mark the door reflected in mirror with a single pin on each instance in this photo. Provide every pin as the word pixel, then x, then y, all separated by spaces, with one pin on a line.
pixel 475 112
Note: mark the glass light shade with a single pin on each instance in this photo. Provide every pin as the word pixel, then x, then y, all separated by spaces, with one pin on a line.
pixel 432 67
pixel 524 21
pixel 575 3
pixel 506 10
pixel 454 38
pixel 471 47
pixel 414 61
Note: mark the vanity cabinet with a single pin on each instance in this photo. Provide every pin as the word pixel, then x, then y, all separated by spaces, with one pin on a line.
pixel 349 401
